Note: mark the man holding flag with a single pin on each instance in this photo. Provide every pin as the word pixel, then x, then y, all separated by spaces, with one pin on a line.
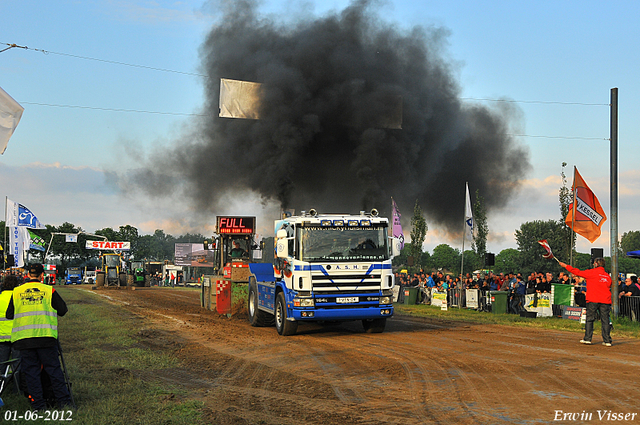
pixel 598 299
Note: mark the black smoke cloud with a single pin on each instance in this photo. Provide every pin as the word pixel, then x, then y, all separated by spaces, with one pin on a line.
pixel 326 80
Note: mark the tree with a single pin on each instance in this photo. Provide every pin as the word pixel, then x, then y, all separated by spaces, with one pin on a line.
pixel 531 251
pixel 418 233
pixel 630 241
pixel 508 260
pixel 471 261
pixel 482 229
pixel 445 257
pixel 568 235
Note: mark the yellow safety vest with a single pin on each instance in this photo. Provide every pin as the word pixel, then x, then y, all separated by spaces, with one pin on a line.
pixel 5 324
pixel 34 317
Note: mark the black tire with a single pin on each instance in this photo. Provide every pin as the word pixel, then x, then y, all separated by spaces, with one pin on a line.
pixel 375 326
pixel 256 316
pixel 283 326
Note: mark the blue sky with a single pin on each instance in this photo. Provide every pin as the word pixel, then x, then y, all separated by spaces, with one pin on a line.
pixel 569 54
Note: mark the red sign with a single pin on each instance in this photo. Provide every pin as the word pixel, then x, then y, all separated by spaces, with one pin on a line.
pixel 236 225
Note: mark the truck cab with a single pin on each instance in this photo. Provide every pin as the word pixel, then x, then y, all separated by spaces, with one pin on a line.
pixel 328 267
pixel 73 276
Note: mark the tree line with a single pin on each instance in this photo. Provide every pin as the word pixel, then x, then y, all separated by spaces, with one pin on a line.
pixel 156 247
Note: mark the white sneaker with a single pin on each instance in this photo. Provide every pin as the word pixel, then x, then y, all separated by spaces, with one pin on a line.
pixel 582 341
pixel 606 344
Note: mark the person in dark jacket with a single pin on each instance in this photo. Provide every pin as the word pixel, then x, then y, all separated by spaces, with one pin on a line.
pixel 598 298
pixel 34 308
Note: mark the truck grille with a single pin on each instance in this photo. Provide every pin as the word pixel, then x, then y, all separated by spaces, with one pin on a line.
pixel 345 283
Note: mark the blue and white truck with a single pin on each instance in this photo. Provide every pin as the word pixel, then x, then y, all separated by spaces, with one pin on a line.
pixel 328 268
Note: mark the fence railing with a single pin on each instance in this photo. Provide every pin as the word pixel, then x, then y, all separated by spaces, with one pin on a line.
pixel 481 300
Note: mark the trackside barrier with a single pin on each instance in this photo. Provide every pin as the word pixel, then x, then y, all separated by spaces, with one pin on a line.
pixel 630 307
pixel 563 301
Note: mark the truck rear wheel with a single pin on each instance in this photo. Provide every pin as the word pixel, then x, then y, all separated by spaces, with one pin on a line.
pixel 283 326
pixel 374 326
pixel 257 317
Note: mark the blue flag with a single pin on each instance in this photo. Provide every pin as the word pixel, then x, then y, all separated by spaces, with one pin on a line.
pixel 21 216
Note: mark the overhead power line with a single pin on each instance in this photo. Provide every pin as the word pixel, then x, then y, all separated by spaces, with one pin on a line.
pixel 103 60
pixel 543 102
pixel 112 109
pixel 559 137
pixel 13 45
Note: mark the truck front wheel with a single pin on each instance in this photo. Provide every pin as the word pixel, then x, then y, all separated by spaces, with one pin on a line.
pixel 283 326
pixel 374 326
pixel 257 317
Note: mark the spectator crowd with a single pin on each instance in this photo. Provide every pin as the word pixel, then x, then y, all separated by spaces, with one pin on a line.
pixel 516 285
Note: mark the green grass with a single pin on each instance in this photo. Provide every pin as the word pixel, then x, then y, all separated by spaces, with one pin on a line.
pixel 623 327
pixel 106 356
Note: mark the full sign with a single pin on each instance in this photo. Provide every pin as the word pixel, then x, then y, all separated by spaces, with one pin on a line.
pixel 236 225
pixel 106 245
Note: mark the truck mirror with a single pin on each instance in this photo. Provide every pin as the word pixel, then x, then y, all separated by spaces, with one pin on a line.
pixel 395 247
pixel 282 247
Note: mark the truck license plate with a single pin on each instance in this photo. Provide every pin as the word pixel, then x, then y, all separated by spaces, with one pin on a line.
pixel 347 300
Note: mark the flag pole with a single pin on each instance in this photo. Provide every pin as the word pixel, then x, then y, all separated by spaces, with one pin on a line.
pixel 4 231
pixel 573 218
pixel 464 228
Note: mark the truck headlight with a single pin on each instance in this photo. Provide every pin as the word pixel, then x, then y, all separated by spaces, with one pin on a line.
pixel 386 300
pixel 303 302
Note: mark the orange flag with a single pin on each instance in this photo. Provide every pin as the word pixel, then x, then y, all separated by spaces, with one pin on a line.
pixel 589 215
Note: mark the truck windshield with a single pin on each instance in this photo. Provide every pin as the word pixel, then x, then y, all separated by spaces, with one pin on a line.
pixel 343 243
pixel 112 260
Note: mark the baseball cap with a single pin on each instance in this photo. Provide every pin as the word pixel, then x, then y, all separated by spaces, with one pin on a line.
pixel 36 269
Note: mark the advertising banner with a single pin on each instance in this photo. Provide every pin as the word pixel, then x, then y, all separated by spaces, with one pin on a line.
pixel 438 298
pixel 193 254
pixel 472 298
pixel 108 246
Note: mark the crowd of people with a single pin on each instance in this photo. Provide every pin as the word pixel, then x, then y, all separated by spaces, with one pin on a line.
pixel 515 284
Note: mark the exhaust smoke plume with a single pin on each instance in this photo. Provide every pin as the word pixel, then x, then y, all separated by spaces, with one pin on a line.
pixel 327 81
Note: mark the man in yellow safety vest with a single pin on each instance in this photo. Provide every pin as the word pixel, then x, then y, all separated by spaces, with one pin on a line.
pixel 34 308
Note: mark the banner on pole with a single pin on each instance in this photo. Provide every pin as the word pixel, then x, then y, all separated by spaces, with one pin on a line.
pixel 589 215
pixel 468 217
pixel 16 246
pixel 10 114
pixel 106 245
pixel 19 215
pixel 397 227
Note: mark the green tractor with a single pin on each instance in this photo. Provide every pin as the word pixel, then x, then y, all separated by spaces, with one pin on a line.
pixel 139 275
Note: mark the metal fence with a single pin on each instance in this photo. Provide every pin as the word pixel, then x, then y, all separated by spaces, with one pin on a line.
pixel 457 298
pixel 630 307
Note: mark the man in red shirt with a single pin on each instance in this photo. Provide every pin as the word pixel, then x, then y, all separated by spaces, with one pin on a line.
pixel 598 297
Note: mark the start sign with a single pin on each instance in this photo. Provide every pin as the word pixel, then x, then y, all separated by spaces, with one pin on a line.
pixel 120 246
pixel 236 225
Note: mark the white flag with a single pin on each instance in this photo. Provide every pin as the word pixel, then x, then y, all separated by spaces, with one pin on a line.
pixel 468 217
pixel 10 114
pixel 16 245
pixel 19 215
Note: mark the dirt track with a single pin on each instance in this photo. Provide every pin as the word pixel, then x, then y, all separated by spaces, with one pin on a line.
pixel 416 372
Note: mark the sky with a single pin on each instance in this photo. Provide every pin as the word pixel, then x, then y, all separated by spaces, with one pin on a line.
pixel 104 82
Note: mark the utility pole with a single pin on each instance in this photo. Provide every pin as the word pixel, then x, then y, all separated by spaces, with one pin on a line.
pixel 614 201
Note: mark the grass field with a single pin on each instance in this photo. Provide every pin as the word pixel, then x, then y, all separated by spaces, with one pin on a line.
pixel 104 349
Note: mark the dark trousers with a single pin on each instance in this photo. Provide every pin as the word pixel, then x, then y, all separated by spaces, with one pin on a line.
pixel 604 310
pixel 517 303
pixel 33 362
